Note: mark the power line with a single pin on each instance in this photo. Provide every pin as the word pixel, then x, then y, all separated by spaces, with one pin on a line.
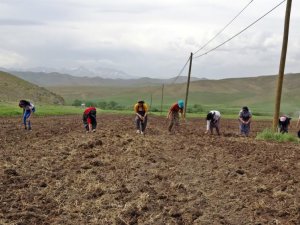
pixel 240 31
pixel 213 38
pixel 180 71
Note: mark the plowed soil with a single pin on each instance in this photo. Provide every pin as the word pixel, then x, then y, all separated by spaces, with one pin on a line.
pixel 58 174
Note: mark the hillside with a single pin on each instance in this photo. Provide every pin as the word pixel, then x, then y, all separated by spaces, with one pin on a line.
pixel 57 79
pixel 13 88
pixel 256 92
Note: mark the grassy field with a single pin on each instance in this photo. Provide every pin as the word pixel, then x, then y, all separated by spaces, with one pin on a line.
pixel 227 95
pixel 12 109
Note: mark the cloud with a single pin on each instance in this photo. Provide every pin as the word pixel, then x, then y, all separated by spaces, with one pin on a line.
pixel 145 37
pixel 10 59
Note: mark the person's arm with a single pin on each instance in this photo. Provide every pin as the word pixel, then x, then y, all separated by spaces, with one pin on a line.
pixel 249 120
pixel 169 113
pixel 207 126
pixel 182 115
pixel 146 110
pixel 89 121
pixel 241 120
pixel 23 114
pixel 136 112
pixel 139 115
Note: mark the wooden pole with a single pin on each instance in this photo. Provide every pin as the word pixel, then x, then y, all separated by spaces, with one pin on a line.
pixel 188 85
pixel 282 64
pixel 162 99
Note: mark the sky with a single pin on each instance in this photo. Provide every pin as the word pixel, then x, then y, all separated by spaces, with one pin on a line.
pixel 148 38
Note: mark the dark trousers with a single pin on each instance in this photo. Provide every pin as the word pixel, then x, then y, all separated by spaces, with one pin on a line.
pixel 141 124
pixel 283 128
pixel 245 129
pixel 215 124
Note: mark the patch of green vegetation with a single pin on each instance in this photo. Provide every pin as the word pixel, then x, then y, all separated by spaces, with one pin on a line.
pixel 12 109
pixel 9 109
pixel 269 135
pixel 111 105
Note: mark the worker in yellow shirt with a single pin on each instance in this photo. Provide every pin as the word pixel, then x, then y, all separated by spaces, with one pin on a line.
pixel 141 110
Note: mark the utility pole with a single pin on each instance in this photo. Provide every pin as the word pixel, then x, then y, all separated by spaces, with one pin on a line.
pixel 282 63
pixel 188 85
pixel 162 99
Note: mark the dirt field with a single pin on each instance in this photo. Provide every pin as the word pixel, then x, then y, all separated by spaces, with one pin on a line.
pixel 58 174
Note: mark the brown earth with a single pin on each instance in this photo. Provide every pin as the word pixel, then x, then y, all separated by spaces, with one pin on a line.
pixel 58 174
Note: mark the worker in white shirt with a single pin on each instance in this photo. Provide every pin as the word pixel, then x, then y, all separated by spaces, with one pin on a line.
pixel 213 121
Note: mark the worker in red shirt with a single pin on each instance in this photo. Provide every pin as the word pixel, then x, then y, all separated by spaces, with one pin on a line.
pixel 89 119
pixel 173 114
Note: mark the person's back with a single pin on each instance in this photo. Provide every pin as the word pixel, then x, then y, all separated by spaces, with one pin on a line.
pixel 173 114
pixel 245 114
pixel 89 119
pixel 213 121
pixel 284 122
pixel 28 109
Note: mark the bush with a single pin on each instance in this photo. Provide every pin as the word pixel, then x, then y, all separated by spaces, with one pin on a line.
pixel 196 108
pixel 90 103
pixel 154 109
pixel 269 135
pixel 102 105
pixel 111 105
pixel 76 102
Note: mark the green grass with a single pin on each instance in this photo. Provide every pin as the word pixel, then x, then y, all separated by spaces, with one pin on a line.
pixel 227 96
pixel 12 109
pixel 269 135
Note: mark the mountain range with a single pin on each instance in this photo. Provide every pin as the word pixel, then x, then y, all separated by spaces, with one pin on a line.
pixel 54 79
pixel 80 71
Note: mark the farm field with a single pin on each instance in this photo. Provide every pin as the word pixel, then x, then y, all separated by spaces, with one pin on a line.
pixel 58 174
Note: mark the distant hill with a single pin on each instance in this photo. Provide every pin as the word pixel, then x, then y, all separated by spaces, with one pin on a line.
pixel 80 71
pixel 13 88
pixel 226 94
pixel 57 79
